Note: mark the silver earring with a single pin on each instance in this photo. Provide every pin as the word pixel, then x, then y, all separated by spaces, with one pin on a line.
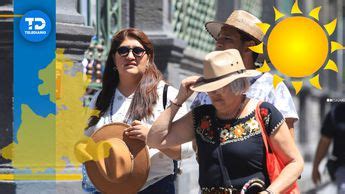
pixel 114 68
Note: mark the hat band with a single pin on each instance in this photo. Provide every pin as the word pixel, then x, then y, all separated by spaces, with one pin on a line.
pixel 221 77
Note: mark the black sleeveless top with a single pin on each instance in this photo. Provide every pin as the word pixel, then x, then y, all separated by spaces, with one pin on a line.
pixel 241 141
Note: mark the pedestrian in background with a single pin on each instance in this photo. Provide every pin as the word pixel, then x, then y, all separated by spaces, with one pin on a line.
pixel 332 130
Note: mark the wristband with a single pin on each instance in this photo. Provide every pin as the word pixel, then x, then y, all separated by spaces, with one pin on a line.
pixel 174 103
pixel 269 191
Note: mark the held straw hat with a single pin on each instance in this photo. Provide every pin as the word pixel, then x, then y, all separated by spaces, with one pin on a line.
pixel 127 167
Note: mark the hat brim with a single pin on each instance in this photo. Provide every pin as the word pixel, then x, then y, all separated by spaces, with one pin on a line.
pixel 214 28
pixel 202 86
pixel 141 161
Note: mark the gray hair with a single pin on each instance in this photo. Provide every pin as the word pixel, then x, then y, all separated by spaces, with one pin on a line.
pixel 239 86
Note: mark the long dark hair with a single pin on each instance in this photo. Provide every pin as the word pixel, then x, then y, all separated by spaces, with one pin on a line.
pixel 145 95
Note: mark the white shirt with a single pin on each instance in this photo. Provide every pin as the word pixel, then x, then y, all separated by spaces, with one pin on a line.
pixel 262 89
pixel 161 165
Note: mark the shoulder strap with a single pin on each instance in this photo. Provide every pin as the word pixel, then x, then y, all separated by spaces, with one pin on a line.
pixel 223 170
pixel 262 127
pixel 165 95
pixel 177 169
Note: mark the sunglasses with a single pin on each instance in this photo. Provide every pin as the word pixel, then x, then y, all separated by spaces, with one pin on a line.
pixel 124 51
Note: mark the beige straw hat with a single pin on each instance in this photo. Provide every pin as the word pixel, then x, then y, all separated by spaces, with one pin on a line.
pixel 220 69
pixel 127 167
pixel 241 20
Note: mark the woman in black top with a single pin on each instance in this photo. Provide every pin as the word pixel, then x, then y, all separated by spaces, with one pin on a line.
pixel 227 132
pixel 241 142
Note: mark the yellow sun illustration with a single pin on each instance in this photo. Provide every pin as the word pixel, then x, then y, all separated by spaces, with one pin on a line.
pixel 298 46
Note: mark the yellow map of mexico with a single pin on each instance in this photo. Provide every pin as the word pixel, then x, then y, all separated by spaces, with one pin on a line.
pixel 42 152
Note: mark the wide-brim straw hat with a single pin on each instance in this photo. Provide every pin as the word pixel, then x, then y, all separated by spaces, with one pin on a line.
pixel 241 20
pixel 220 69
pixel 127 167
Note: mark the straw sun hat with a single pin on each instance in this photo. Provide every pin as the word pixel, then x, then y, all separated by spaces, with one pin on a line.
pixel 240 20
pixel 220 69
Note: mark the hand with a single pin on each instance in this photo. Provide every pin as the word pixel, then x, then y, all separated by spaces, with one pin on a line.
pixel 316 176
pixel 137 131
pixel 185 92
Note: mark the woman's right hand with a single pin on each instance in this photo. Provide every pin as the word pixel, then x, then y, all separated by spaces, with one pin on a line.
pixel 185 92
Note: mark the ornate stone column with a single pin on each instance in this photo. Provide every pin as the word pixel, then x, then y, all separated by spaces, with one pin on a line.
pixel 74 37
pixel 6 88
pixel 6 69
pixel 71 33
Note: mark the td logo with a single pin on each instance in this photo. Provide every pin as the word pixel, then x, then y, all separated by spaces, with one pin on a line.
pixel 35 26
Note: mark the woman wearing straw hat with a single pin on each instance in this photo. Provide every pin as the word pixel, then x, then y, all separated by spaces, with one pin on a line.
pixel 132 93
pixel 240 31
pixel 227 132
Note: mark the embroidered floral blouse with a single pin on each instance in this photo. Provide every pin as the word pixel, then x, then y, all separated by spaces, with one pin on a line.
pixel 241 141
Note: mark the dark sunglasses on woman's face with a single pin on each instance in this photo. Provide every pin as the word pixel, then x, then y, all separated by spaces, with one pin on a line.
pixel 124 51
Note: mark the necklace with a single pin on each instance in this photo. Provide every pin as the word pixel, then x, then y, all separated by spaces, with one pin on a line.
pixel 240 107
pixel 111 109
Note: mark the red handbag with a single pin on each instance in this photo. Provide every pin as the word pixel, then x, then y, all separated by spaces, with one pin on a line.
pixel 273 163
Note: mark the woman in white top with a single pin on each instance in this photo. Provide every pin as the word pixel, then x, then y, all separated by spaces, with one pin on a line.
pixel 132 92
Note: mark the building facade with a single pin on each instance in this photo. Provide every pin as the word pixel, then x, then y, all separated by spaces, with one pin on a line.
pixel 183 22
pixel 176 27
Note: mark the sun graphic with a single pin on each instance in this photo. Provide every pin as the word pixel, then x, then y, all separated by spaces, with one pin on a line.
pixel 298 46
